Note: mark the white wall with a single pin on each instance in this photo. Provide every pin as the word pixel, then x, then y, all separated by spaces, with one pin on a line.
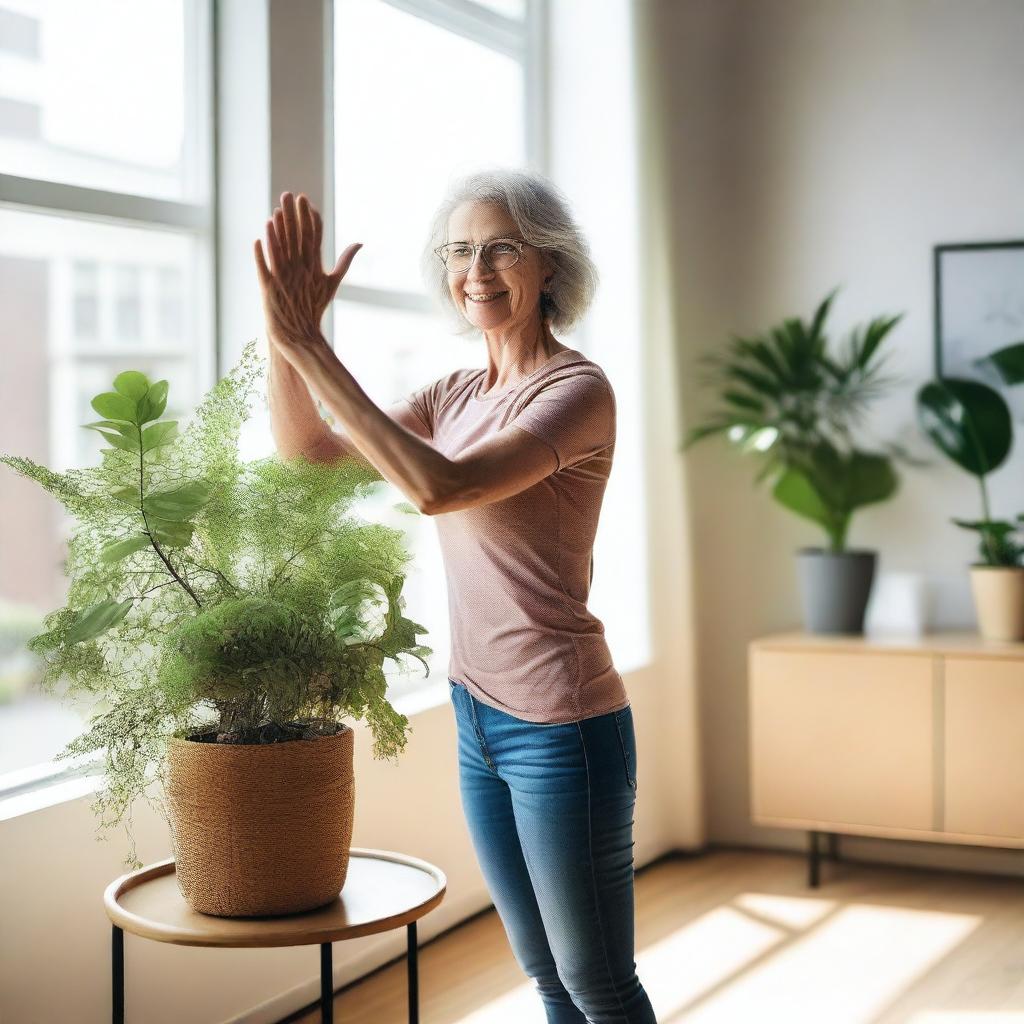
pixel 813 144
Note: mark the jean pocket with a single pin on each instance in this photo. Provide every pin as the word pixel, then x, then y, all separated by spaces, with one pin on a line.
pixel 627 742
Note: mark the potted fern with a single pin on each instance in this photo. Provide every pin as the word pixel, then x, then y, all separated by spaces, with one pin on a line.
pixel 970 422
pixel 226 616
pixel 789 402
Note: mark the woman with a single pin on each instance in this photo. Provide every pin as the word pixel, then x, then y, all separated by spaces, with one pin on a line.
pixel 513 461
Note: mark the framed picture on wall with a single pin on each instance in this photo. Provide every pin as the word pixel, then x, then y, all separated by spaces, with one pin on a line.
pixel 979 308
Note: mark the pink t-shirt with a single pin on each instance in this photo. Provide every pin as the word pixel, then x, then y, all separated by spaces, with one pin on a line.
pixel 519 569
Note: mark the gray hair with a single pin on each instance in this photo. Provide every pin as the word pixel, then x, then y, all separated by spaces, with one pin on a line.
pixel 544 218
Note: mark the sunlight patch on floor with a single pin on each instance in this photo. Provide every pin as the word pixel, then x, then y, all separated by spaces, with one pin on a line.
pixel 675 969
pixel 789 911
pixel 520 1005
pixel 843 971
pixel 713 947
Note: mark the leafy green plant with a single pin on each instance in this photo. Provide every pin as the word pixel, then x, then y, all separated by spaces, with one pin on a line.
pixel 787 401
pixel 213 599
pixel 970 423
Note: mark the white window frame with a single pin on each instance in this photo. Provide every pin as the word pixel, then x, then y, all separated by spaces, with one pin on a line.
pixel 272 130
pixel 522 41
pixel 195 218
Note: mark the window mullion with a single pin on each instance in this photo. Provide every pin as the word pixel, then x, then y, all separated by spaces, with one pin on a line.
pixel 59 197
pixel 393 298
pixel 471 21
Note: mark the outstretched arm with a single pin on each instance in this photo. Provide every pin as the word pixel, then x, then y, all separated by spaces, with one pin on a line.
pixel 295 293
pixel 298 427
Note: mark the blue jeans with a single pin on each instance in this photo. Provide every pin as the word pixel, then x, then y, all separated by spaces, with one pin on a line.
pixel 550 813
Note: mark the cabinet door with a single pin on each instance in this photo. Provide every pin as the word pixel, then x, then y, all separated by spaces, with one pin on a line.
pixel 984 747
pixel 842 737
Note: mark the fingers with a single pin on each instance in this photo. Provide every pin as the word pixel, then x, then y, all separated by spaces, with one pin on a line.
pixel 341 267
pixel 291 224
pixel 261 264
pixel 307 233
pixel 281 234
pixel 295 232
pixel 274 247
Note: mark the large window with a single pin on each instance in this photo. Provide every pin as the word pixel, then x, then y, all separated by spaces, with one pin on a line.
pixel 105 265
pixel 423 92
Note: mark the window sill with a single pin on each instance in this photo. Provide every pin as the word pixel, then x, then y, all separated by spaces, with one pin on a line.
pixel 428 694
pixel 48 793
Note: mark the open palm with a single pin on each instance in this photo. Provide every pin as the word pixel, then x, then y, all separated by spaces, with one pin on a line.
pixel 295 289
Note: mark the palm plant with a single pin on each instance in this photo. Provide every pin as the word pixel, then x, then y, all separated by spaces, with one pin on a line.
pixel 785 399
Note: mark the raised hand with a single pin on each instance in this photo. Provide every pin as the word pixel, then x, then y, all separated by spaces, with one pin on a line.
pixel 295 289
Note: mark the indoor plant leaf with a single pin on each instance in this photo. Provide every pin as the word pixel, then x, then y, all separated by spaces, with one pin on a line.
pixel 968 421
pixel 128 430
pixel 179 503
pixel 119 549
pixel 119 440
pixel 96 620
pixel 1008 362
pixel 171 533
pixel 153 403
pixel 795 491
pixel 159 434
pixel 115 406
pixel 870 478
pixel 132 384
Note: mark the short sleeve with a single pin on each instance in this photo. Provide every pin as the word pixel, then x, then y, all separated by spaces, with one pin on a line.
pixel 422 402
pixel 428 400
pixel 574 414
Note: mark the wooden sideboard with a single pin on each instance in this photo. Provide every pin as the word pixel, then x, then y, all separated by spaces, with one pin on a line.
pixel 918 738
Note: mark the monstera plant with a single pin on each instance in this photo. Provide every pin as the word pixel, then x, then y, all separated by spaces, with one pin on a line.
pixel 224 616
pixel 796 405
pixel 970 422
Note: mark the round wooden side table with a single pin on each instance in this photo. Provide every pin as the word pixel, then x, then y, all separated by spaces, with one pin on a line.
pixel 382 890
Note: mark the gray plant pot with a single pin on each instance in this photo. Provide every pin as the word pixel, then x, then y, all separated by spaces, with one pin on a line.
pixel 834 588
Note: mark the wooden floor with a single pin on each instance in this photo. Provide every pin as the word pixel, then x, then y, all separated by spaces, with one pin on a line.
pixel 737 937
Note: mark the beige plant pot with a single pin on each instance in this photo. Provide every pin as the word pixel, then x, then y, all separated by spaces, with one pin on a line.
pixel 999 600
pixel 261 829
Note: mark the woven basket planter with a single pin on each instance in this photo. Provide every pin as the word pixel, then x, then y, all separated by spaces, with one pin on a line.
pixel 261 829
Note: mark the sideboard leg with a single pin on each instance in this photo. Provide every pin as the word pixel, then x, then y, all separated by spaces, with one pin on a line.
pixel 833 846
pixel 326 984
pixel 813 859
pixel 414 988
pixel 117 973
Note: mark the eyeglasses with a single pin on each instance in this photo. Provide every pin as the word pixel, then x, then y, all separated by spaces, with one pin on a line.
pixel 498 254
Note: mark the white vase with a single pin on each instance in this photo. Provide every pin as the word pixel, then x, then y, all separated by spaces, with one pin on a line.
pixel 999 600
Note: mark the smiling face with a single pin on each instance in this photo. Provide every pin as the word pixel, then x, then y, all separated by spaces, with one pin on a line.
pixel 519 287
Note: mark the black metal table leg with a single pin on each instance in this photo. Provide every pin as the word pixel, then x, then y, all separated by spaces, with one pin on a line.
pixel 813 859
pixel 326 984
pixel 833 846
pixel 117 972
pixel 414 984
